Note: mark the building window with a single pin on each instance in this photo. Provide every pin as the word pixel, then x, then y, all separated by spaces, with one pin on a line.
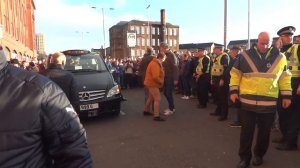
pixel 170 32
pixel 158 31
pixel 138 42
pixel 132 28
pixel 153 42
pixel 175 32
pixel 143 42
pixel 153 30
pixel 171 44
pixel 158 42
pixel 137 30
pixel 142 30
pixel 148 42
pixel 175 42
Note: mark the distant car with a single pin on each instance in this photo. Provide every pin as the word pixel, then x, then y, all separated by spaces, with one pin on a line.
pixel 98 92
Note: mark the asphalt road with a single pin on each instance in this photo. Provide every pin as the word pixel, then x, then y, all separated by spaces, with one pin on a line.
pixel 190 138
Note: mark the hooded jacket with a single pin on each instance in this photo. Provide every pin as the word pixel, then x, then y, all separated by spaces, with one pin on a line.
pixel 38 126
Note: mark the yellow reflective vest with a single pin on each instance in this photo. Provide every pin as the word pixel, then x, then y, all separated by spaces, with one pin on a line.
pixel 293 60
pixel 258 80
pixel 217 68
pixel 200 66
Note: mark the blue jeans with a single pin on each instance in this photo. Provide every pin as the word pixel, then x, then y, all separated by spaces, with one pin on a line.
pixel 168 91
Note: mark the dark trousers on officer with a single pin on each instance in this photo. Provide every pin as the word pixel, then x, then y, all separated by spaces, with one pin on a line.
pixel 203 89
pixel 221 97
pixel 264 122
pixel 289 119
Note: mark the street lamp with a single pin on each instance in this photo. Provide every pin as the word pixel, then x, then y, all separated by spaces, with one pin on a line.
pixel 81 34
pixel 103 27
pixel 149 31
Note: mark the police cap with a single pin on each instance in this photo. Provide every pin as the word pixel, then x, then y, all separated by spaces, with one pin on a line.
pixel 219 46
pixel 290 30
pixel 237 48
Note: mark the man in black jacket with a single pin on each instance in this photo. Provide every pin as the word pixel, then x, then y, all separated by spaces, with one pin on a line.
pixel 64 79
pixel 38 125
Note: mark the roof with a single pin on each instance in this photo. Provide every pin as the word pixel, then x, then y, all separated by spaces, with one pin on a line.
pixel 238 42
pixel 121 23
pixel 197 45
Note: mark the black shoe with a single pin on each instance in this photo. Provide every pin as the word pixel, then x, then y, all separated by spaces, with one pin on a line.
pixel 243 164
pixel 158 119
pixel 235 124
pixel 214 114
pixel 123 99
pixel 222 118
pixel 286 147
pixel 278 140
pixel 201 106
pixel 147 113
pixel 256 161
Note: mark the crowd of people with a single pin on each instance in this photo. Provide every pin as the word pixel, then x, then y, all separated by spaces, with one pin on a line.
pixel 261 82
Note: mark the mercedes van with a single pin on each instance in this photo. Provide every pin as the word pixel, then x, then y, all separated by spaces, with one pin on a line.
pixel 98 92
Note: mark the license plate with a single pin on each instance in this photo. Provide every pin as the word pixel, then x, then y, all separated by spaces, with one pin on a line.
pixel 89 106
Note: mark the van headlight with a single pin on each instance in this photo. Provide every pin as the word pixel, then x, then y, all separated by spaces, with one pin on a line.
pixel 113 91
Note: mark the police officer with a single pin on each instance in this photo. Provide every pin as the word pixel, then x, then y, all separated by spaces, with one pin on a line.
pixel 289 118
pixel 220 64
pixel 201 74
pixel 256 78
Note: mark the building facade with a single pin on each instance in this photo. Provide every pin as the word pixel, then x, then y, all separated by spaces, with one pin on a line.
pixel 17 28
pixel 40 43
pixel 131 39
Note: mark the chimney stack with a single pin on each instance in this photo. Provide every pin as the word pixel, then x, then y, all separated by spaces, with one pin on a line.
pixel 163 25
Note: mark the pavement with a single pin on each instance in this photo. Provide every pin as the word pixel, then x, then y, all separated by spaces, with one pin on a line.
pixel 190 138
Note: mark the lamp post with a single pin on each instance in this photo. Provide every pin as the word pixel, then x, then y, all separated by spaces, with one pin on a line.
pixel 103 27
pixel 249 44
pixel 81 34
pixel 149 31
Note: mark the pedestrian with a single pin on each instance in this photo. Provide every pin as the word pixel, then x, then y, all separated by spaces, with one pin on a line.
pixel 289 118
pixel 257 77
pixel 32 67
pixel 233 53
pixel 154 80
pixel 202 76
pixel 64 79
pixel 171 76
pixel 39 127
pixel 147 58
pixel 220 64
pixel 185 75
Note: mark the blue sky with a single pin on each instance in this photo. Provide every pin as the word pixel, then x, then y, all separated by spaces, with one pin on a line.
pixel 69 24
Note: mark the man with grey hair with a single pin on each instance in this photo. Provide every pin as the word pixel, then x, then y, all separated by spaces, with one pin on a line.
pixel 38 125
pixel 171 76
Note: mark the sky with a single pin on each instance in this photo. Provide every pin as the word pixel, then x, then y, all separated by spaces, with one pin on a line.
pixel 74 24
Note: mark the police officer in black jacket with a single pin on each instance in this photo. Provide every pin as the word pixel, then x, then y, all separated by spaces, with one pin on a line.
pixel 38 125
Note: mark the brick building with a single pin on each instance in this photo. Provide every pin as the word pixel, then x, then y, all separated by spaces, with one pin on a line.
pixel 17 29
pixel 139 32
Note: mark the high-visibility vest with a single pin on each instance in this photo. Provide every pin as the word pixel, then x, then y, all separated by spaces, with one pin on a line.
pixel 217 68
pixel 293 60
pixel 261 88
pixel 200 66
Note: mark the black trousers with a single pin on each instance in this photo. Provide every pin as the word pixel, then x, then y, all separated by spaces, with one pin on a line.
pixel 249 120
pixel 221 97
pixel 202 89
pixel 289 118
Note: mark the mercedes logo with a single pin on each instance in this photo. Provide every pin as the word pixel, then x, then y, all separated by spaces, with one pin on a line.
pixel 85 96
